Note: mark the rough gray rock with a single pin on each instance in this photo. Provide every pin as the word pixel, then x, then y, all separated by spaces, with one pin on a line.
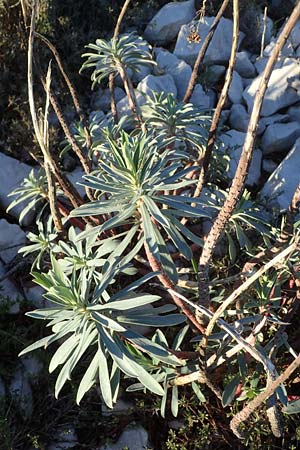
pixel 21 393
pixel 294 112
pixel 32 367
pixel 12 173
pixel 219 49
pixel 12 238
pixel 233 141
pixel 202 99
pixel 9 293
pixel 279 137
pixel 235 93
pixel 281 185
pixel 239 118
pixel 151 83
pixel 165 25
pixel 244 66
pixel 279 93
pixel 269 166
pixel 76 177
pixel 133 438
pixel 163 83
pixel 215 73
pixel 64 438
pixel 178 69
pixel 34 295
pixel 101 98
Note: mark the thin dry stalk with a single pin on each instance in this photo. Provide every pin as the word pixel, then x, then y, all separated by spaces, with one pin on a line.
pixel 202 52
pixel 245 286
pixel 221 102
pixel 41 131
pixel 242 169
pixel 167 283
pixel 262 45
pixel 252 406
pixel 111 82
pixel 84 161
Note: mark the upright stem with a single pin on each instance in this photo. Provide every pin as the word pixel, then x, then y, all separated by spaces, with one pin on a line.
pixel 202 51
pixel 242 169
pixel 221 102
pixel 111 82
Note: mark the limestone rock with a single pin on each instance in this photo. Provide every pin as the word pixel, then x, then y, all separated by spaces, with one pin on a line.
pixel 21 393
pixel 235 93
pixel 202 99
pixel 101 98
pixel 279 137
pixel 165 25
pixel 12 173
pixel 219 49
pixel 12 238
pixel 178 69
pixel 134 438
pixel 9 294
pixel 279 93
pixel 244 66
pixel 233 141
pixel 281 185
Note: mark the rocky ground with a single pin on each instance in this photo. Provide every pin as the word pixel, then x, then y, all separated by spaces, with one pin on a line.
pixel 273 175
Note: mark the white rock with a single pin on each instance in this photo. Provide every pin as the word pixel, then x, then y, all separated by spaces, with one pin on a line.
pixel 244 66
pixel 239 118
pixel 269 166
pixel 165 25
pixel 219 49
pixel 65 437
pixel 21 393
pixel 275 118
pixel 32 367
pixel 12 174
pixel 279 137
pixel 201 99
pixel 101 98
pixel 235 93
pixel 151 83
pixel 76 177
pixel 133 438
pixel 261 63
pixel 287 51
pixel 12 238
pixel 9 292
pixel 121 407
pixel 214 73
pixel 178 69
pixel 281 185
pixel 294 36
pixel 294 112
pixel 162 83
pixel 279 94
pixel 233 141
pixel 34 295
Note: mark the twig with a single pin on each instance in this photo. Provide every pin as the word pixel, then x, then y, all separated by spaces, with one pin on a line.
pixel 262 45
pixel 242 169
pixel 237 292
pixel 221 102
pixel 257 401
pixel 74 96
pixel 42 136
pixel 167 283
pixel 202 51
